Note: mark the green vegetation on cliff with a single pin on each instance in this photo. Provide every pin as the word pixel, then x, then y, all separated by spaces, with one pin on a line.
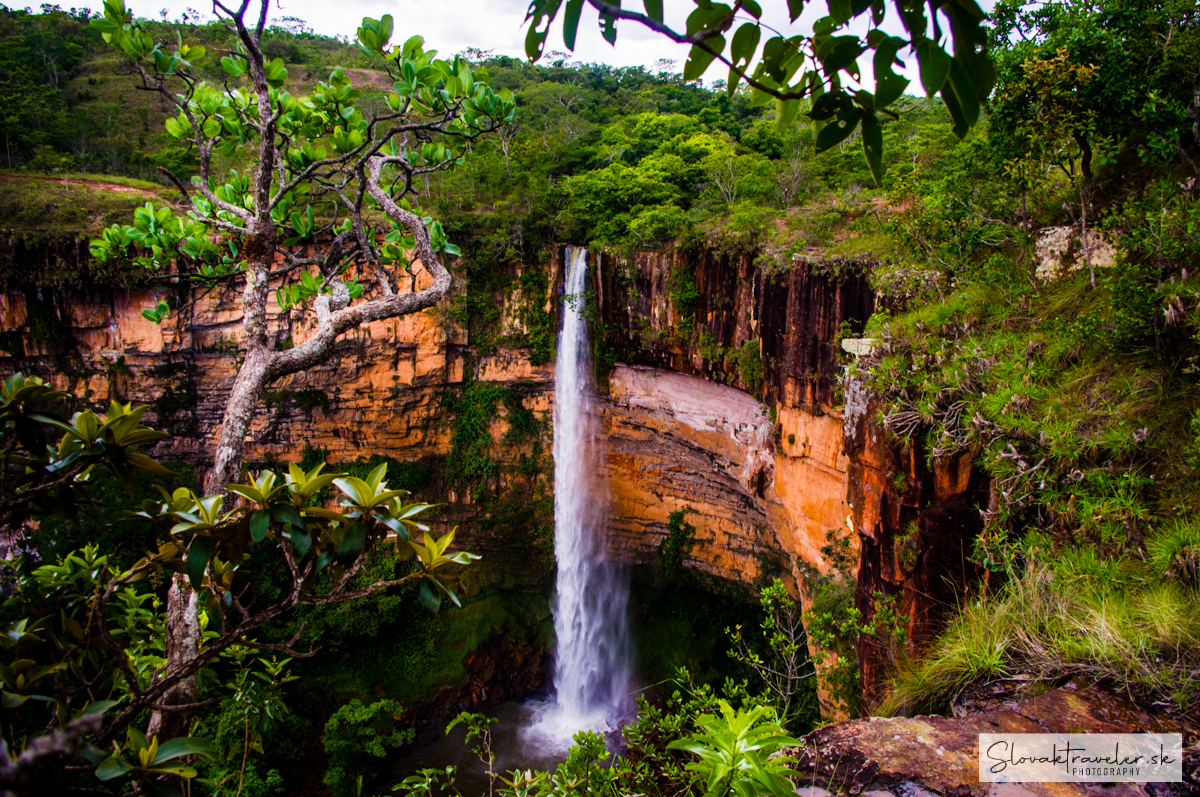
pixel 1036 322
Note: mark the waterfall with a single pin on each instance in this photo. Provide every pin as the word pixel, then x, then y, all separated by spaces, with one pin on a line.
pixel 591 670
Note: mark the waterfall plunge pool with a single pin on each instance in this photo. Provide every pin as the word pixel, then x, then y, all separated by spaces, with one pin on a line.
pixel 515 744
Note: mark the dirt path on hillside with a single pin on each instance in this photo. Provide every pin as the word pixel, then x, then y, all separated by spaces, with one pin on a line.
pixel 98 185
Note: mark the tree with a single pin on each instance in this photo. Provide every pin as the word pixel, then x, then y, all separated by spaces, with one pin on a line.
pixel 1054 127
pixel 84 650
pixel 323 175
pixel 784 666
pixel 803 66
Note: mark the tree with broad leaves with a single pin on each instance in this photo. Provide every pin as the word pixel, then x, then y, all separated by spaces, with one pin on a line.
pixel 326 182
pixel 85 644
pixel 788 68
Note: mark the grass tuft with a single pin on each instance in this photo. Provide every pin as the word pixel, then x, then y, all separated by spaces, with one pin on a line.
pixel 1071 616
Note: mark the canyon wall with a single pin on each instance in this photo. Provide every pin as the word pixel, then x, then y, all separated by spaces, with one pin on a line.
pixel 722 387
pixel 732 411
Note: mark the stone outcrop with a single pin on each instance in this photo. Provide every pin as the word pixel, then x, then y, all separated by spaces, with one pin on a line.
pixel 920 756
pixel 761 508
pixel 1060 250
pixel 763 465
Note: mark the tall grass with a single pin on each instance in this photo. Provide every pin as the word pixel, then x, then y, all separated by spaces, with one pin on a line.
pixel 1075 614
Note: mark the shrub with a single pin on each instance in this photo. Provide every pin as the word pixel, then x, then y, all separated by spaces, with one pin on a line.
pixel 356 735
pixel 685 296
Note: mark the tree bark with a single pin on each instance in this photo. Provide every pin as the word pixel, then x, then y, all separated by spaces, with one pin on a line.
pixel 183 640
pixel 1087 251
pixel 239 413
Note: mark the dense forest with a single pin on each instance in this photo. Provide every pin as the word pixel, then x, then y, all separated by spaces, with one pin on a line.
pixel 1034 317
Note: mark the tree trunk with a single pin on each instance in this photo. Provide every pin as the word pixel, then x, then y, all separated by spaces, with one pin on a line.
pixel 239 412
pixel 1087 250
pixel 183 640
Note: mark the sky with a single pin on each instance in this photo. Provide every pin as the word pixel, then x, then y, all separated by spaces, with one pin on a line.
pixel 452 26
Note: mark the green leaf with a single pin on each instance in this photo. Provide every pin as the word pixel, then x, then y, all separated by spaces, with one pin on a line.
pixel 785 113
pixel 199 552
pixel 888 85
pixel 260 521
pixel 301 542
pixel 840 52
pixel 112 767
pixel 147 465
pixel 608 29
pixel 795 8
pixel 571 22
pixel 835 133
pixel 286 513
pixel 233 66
pixel 698 59
pixel 888 89
pixel 98 707
pixel 654 9
pixel 935 66
pixel 964 91
pixel 744 44
pixel 431 601
pixel 184 746
pixel 352 544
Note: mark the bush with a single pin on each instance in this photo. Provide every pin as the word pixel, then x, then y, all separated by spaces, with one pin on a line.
pixel 685 296
pixel 355 736
pixel 750 367
pixel 658 224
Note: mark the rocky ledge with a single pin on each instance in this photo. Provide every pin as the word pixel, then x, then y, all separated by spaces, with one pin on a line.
pixel 927 756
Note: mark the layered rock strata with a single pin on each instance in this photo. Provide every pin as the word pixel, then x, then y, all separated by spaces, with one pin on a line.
pixel 728 401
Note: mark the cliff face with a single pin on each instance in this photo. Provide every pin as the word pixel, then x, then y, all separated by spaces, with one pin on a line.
pixel 728 405
pixel 915 526
pixel 721 393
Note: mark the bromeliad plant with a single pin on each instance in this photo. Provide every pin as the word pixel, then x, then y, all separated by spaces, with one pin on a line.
pixel 735 750
pixel 83 648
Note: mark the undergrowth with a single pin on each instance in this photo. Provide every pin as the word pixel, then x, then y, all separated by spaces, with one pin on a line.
pixel 1065 615
pixel 1078 404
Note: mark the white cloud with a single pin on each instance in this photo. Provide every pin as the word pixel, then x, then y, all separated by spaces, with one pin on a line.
pixel 452 26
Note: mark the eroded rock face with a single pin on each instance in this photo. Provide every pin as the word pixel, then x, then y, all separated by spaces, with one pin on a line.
pixel 762 505
pixel 733 408
pixel 940 755
pixel 916 525
pixel 675 441
pixel 383 390
pixel 764 466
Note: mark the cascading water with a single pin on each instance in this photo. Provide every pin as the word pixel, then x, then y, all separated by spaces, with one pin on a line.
pixel 591 672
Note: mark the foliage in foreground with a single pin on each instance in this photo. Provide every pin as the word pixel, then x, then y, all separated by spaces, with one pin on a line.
pixel 84 650
pixel 1071 615
pixel 697 743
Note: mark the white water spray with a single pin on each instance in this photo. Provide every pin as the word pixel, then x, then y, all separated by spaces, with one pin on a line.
pixel 591 671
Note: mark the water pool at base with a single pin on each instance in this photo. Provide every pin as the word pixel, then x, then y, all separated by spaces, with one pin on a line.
pixel 515 742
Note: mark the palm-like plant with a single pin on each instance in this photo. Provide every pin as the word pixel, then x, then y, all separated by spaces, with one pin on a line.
pixel 735 753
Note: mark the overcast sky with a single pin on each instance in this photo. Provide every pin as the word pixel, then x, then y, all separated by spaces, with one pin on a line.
pixel 452 26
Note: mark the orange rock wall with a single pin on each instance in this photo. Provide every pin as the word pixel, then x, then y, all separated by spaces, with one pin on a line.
pixel 770 461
